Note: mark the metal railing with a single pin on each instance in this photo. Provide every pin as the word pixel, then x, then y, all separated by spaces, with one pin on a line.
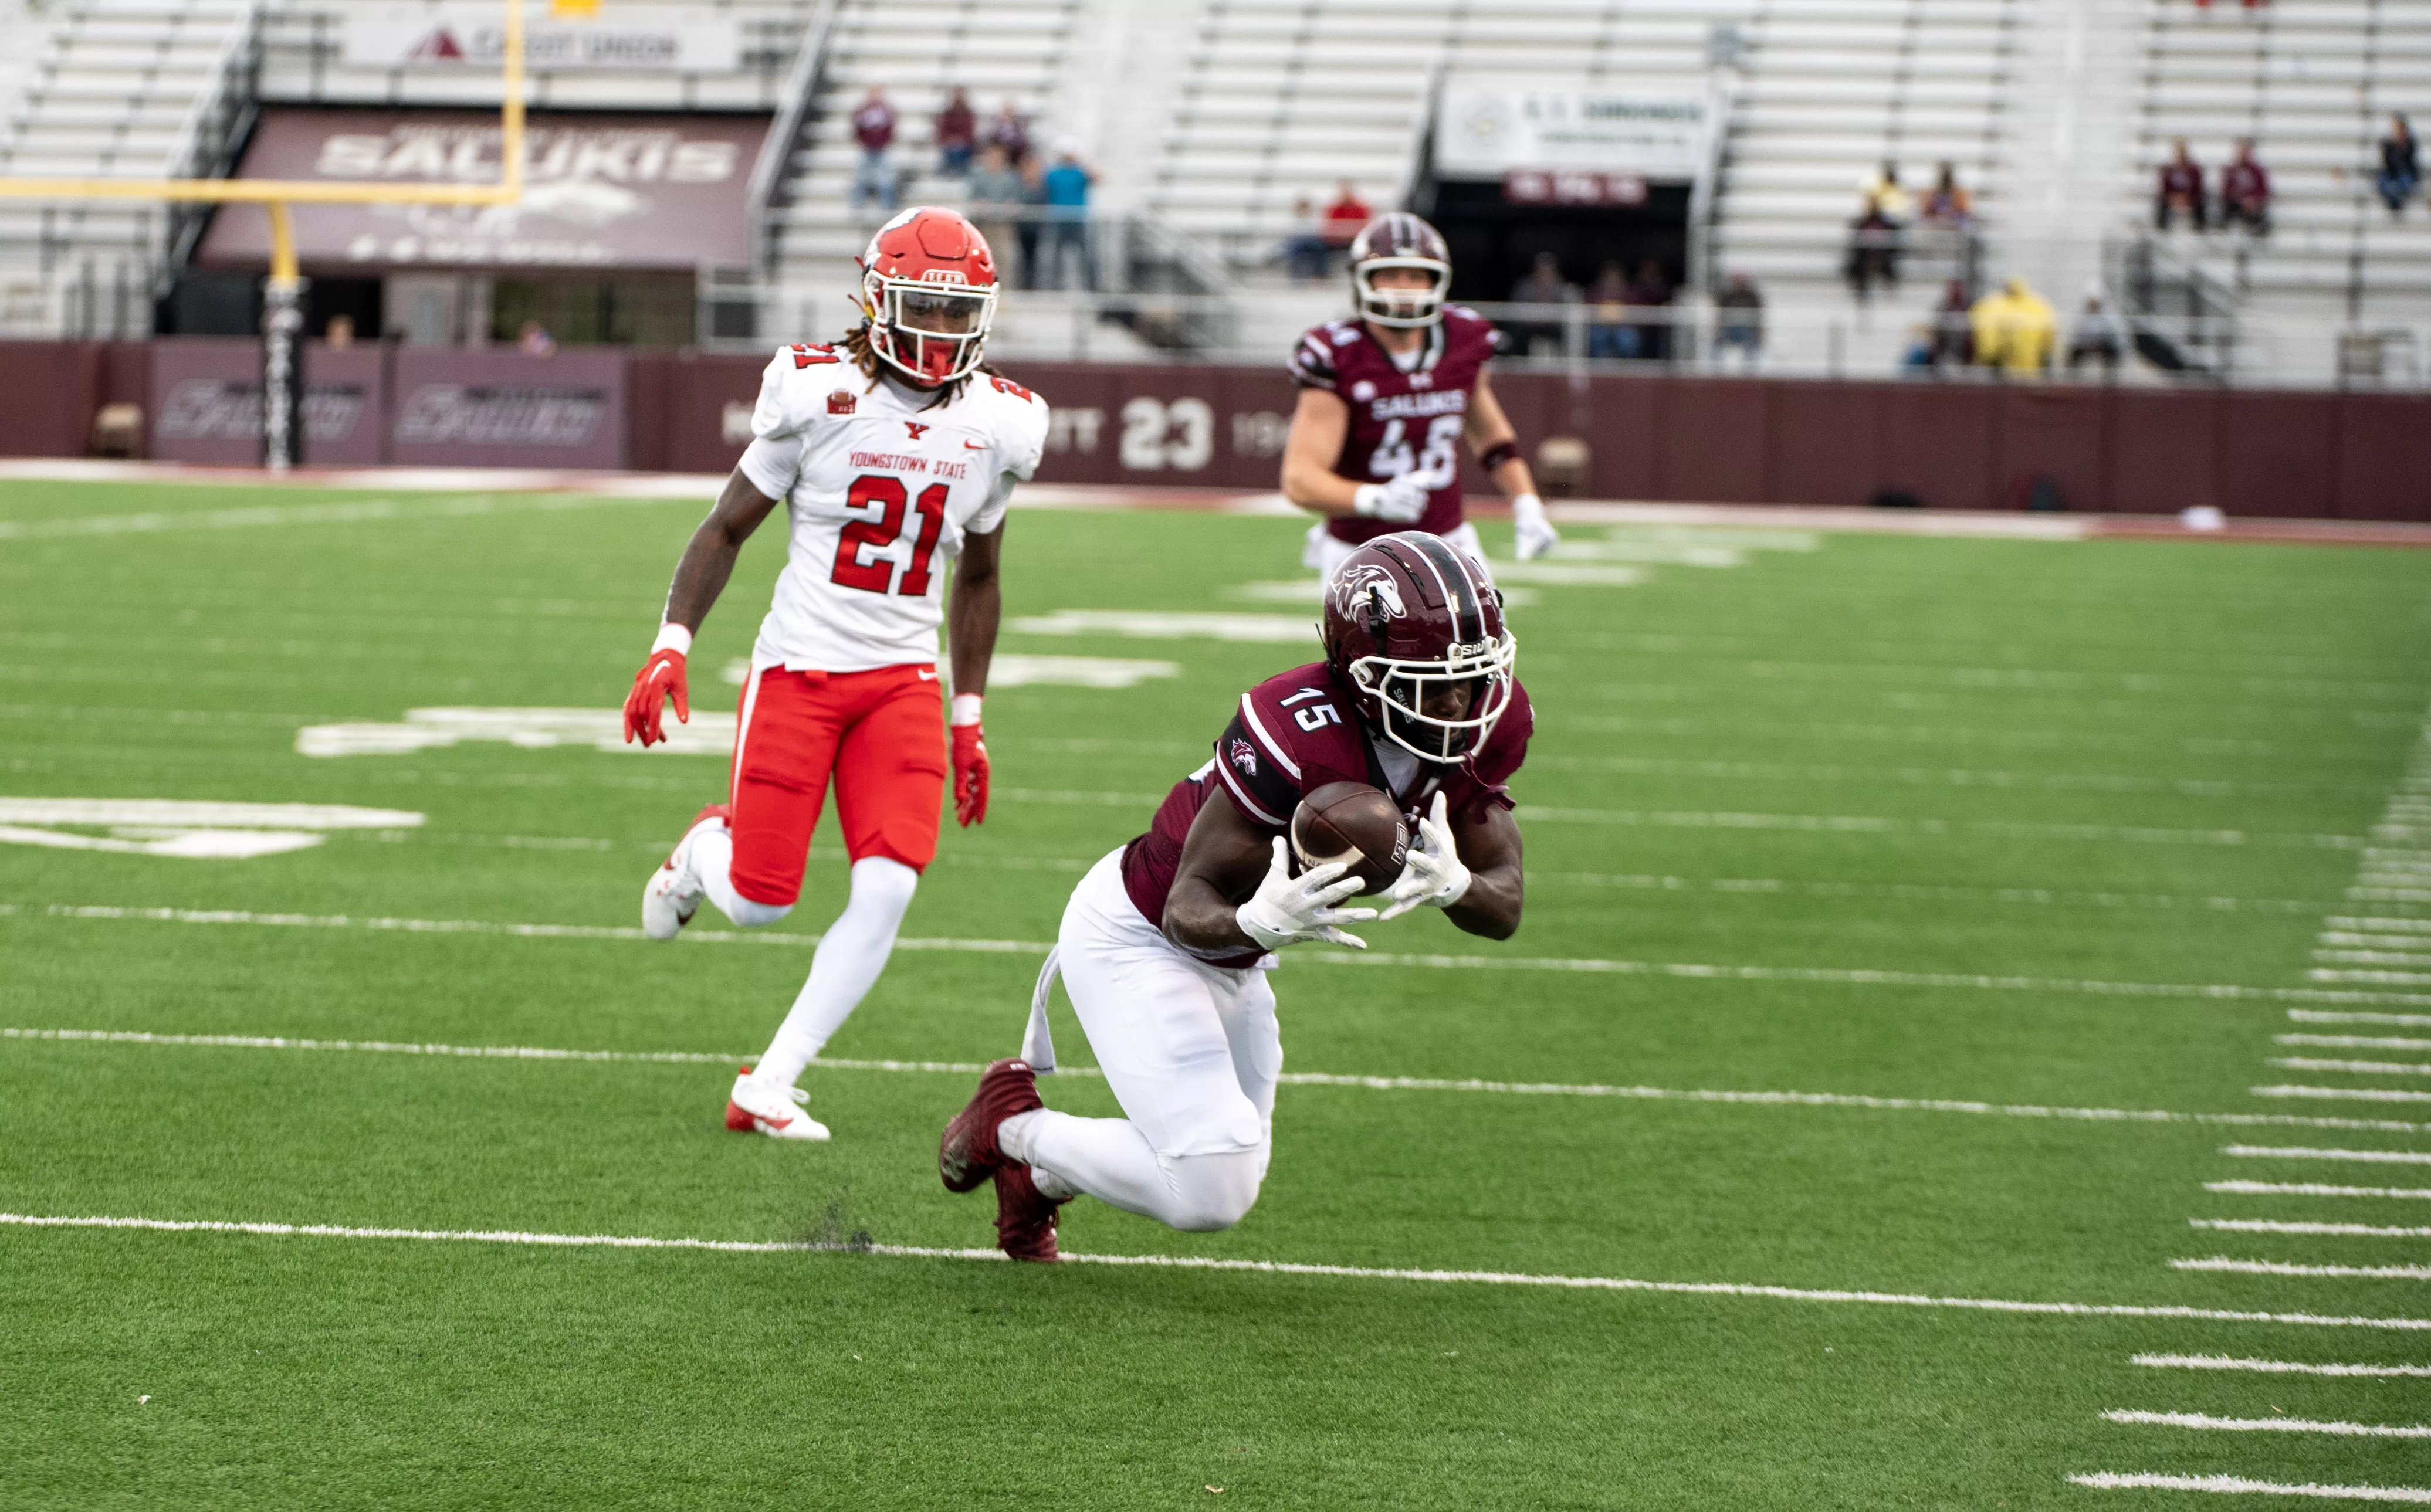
pixel 770 170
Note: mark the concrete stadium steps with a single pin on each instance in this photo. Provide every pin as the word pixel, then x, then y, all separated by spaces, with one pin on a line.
pixel 303 63
pixel 2313 83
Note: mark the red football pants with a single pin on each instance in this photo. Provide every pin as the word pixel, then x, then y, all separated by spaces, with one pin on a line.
pixel 881 735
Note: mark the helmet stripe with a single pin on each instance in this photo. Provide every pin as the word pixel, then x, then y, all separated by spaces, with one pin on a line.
pixel 1468 615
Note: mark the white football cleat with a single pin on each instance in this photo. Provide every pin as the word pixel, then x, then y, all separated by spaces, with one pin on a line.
pixel 759 1107
pixel 675 889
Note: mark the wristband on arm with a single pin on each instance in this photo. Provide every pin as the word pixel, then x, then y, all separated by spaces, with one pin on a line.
pixel 963 709
pixel 1498 454
pixel 672 636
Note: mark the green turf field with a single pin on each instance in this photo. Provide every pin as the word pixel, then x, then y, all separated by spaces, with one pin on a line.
pixel 2002 828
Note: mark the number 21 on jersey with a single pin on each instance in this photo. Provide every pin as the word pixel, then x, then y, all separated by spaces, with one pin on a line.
pixel 856 562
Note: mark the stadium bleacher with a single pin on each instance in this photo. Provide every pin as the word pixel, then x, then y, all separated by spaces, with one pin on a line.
pixel 2312 82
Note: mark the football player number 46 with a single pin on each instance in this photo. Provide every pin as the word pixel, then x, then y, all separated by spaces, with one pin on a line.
pixel 854 565
pixel 1441 456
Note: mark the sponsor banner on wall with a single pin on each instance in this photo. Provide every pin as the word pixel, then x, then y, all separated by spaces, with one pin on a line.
pixel 471 38
pixel 205 403
pixel 459 408
pixel 1212 428
pixel 599 191
pixel 1488 127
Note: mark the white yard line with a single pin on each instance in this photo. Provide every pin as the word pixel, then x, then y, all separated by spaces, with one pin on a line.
pixel 1874 824
pixel 2352 1041
pixel 1686 971
pixel 2394 1021
pixel 2266 1426
pixel 2287 1267
pixel 2228 1362
pixel 2239 1486
pixel 2314 1188
pixel 2343 1094
pixel 283 515
pixel 1650 882
pixel 1409 1084
pixel 1505 1278
pixel 2273 1226
pixel 2391 1157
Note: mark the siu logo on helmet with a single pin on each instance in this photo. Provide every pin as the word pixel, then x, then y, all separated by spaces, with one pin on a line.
pixel 1243 757
pixel 1357 581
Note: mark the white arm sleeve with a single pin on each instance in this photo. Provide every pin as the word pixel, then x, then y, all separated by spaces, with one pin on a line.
pixel 772 464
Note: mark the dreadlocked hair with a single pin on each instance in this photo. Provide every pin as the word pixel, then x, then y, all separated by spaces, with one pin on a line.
pixel 865 357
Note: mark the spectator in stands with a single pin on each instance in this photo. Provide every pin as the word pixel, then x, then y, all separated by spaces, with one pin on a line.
pixel 2181 190
pixel 2015 330
pixel 2098 336
pixel 2401 166
pixel 1873 249
pixel 1954 329
pixel 873 126
pixel 1651 290
pixel 535 341
pixel 1304 250
pixel 1033 217
pixel 997 208
pixel 1544 285
pixel 2245 192
pixel 1882 190
pixel 1068 218
pixel 1947 207
pixel 1346 217
pixel 1738 320
pixel 1610 332
pixel 339 332
pixel 957 132
pixel 1011 132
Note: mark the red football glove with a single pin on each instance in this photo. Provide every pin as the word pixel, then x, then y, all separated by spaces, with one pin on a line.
pixel 660 678
pixel 970 774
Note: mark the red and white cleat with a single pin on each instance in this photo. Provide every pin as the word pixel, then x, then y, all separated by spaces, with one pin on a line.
pixel 758 1107
pixel 967 1154
pixel 675 889
pixel 1024 1217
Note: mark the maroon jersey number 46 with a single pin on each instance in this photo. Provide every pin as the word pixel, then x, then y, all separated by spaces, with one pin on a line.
pixel 1399 421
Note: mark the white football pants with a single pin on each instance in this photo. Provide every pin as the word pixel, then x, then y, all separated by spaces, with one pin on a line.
pixel 1192 1052
pixel 1325 554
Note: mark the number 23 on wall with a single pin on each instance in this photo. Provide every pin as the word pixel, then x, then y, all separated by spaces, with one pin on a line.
pixel 854 568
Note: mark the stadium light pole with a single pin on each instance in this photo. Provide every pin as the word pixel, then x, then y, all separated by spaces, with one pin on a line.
pixel 282 371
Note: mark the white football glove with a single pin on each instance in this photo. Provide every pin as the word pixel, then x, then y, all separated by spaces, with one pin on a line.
pixel 1401 500
pixel 1535 536
pixel 1289 909
pixel 1435 877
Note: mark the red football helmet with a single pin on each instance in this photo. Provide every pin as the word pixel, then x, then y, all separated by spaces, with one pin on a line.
pixel 1399 240
pixel 928 293
pixel 1405 616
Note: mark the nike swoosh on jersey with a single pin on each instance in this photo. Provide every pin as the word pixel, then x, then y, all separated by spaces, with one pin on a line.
pixel 975 447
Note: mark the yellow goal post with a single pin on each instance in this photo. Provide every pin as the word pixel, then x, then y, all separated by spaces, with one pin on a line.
pixel 282 292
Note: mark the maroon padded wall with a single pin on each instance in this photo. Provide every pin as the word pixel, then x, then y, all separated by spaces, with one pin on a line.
pixel 1958 446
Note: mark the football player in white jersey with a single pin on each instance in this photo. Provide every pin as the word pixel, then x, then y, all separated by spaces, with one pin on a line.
pixel 894 453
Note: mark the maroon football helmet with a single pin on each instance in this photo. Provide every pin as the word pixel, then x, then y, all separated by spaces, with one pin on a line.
pixel 1405 615
pixel 1399 240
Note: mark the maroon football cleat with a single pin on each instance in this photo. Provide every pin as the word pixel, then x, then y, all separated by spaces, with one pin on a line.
pixel 1025 1219
pixel 968 1154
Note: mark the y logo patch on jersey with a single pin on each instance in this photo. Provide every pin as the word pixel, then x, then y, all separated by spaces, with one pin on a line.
pixel 1244 757
pixel 917 428
pixel 841 402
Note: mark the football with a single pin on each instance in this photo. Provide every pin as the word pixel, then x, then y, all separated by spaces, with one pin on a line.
pixel 1351 821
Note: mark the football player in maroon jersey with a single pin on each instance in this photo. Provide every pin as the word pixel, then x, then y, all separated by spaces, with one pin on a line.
pixel 1386 400
pixel 1165 944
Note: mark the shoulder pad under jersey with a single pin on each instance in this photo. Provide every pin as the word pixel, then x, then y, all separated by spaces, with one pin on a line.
pixel 794 388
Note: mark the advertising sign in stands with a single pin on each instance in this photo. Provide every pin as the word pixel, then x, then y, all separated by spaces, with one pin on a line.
pixel 458 408
pixel 205 403
pixel 471 37
pixel 1486 127
pixel 602 191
